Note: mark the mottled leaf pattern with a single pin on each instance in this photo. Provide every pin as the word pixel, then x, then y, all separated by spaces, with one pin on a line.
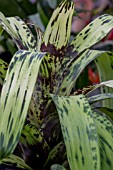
pixel 75 67
pixel 93 33
pixel 56 155
pixel 14 160
pixel 57 33
pixel 105 133
pixel 79 132
pixel 3 70
pixel 99 97
pixel 15 98
pixel 19 31
pixel 105 110
pixel 48 80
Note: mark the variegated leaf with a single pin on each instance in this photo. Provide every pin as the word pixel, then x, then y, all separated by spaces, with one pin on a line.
pixel 57 33
pixel 56 155
pixel 105 110
pixel 19 31
pixel 105 133
pixel 14 160
pixel 3 70
pixel 99 97
pixel 105 68
pixel 15 98
pixel 93 33
pixel 79 132
pixel 75 67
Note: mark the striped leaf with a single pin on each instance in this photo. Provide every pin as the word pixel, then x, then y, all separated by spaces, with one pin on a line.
pixel 99 97
pixel 105 110
pixel 93 33
pixel 105 134
pixel 75 67
pixel 19 31
pixel 15 98
pixel 79 132
pixel 13 160
pixel 3 70
pixel 57 33
pixel 105 68
pixel 56 155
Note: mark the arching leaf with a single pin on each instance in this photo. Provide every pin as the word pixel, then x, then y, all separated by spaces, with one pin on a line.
pixel 79 132
pixel 15 98
pixel 19 31
pixel 93 33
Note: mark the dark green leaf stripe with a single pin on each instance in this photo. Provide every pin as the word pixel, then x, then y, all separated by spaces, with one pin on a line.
pixel 19 31
pixel 3 68
pixel 31 136
pixel 79 132
pixel 75 67
pixel 56 154
pixel 58 30
pixel 99 97
pixel 105 110
pixel 105 132
pixel 93 33
pixel 15 98
pixel 16 161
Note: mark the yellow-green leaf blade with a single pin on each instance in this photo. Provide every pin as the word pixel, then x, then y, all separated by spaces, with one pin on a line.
pixel 93 33
pixel 15 98
pixel 58 30
pixel 19 31
pixel 79 132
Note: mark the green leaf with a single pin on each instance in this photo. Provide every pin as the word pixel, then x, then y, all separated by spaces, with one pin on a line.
pixel 57 33
pixel 79 132
pixel 75 67
pixel 57 167
pixel 31 136
pixel 19 31
pixel 99 97
pixel 105 68
pixel 13 160
pixel 3 69
pixel 105 134
pixel 93 33
pixel 15 98
pixel 105 110
pixel 42 15
pixel 56 155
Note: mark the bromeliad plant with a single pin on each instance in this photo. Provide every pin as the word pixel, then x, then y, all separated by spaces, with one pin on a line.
pixel 37 98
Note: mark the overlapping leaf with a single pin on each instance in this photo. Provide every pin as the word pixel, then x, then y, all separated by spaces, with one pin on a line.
pixel 105 133
pixel 75 67
pixel 15 98
pixel 93 33
pixel 13 160
pixel 48 80
pixel 79 132
pixel 19 31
